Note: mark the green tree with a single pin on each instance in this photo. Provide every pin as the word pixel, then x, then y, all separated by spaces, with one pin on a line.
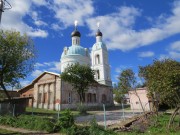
pixel 80 76
pixel 16 58
pixel 163 78
pixel 127 81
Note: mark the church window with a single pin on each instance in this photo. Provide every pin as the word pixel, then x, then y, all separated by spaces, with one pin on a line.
pixel 69 98
pixel 89 98
pixel 45 100
pixel 39 97
pixel 97 74
pixel 97 59
pixel 94 98
pixel 103 98
pixel 74 41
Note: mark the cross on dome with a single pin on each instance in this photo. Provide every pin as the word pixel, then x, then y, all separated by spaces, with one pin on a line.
pixel 98 24
pixel 98 32
pixel 75 24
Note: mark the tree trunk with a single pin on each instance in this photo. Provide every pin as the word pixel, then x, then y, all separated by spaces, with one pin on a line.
pixel 171 120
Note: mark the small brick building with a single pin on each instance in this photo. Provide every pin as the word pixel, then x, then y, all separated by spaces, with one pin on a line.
pixel 48 91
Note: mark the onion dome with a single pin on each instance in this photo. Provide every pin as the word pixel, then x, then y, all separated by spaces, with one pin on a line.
pixel 75 33
pixel 98 33
pixel 76 50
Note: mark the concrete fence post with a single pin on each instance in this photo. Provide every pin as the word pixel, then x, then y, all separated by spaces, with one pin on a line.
pixel 104 116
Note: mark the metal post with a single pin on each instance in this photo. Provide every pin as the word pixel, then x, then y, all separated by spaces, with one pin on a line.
pixel 1 8
pixel 59 110
pixel 32 104
pixel 123 110
pixel 4 5
pixel 14 109
pixel 133 108
pixel 104 116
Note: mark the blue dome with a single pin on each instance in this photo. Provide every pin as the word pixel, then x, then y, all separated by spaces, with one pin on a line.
pixel 76 50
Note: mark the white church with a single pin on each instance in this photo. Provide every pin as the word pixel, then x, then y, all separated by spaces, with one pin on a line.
pixel 49 90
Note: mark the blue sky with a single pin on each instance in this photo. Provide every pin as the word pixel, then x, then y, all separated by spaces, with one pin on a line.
pixel 135 31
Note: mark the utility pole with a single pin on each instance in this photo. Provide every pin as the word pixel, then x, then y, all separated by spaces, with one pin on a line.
pixel 3 6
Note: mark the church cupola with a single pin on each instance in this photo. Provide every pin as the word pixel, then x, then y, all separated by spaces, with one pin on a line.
pixel 98 35
pixel 75 35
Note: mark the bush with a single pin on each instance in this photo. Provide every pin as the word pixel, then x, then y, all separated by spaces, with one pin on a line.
pixel 93 129
pixel 82 109
pixel 66 120
pixel 28 122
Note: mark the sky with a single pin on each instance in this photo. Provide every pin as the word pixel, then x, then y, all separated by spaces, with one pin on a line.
pixel 136 32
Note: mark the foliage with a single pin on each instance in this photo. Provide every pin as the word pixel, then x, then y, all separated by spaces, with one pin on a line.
pixel 16 58
pixel 82 109
pixel 93 129
pixel 2 96
pixel 127 80
pixel 65 120
pixel 80 76
pixel 28 122
pixel 118 96
pixel 163 77
pixel 160 126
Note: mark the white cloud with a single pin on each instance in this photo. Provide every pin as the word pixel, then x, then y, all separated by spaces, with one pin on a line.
pixel 36 73
pixel 146 54
pixel 13 18
pixel 119 33
pixel 67 11
pixel 118 70
pixel 174 55
pixel 173 51
pixel 24 83
pixel 55 27
pixel 56 67
pixel 37 20
pixel 38 33
pixel 175 46
pixel 53 66
pixel 37 65
pixel 40 2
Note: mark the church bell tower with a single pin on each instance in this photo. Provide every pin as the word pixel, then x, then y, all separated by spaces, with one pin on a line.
pixel 100 62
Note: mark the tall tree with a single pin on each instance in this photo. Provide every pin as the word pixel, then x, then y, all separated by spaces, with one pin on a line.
pixel 17 55
pixel 163 77
pixel 80 76
pixel 127 81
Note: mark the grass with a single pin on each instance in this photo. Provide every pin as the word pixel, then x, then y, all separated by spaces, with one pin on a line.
pixel 159 128
pixel 45 112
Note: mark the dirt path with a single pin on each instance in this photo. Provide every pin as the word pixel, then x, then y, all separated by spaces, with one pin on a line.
pixel 26 131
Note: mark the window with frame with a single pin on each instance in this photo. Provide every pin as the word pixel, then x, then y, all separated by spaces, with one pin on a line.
pixel 97 59
pixel 69 97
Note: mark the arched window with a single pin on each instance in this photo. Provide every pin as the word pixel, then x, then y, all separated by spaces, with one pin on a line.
pixel 103 98
pixel 69 98
pixel 89 98
pixel 97 74
pixel 94 98
pixel 97 59
pixel 74 41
